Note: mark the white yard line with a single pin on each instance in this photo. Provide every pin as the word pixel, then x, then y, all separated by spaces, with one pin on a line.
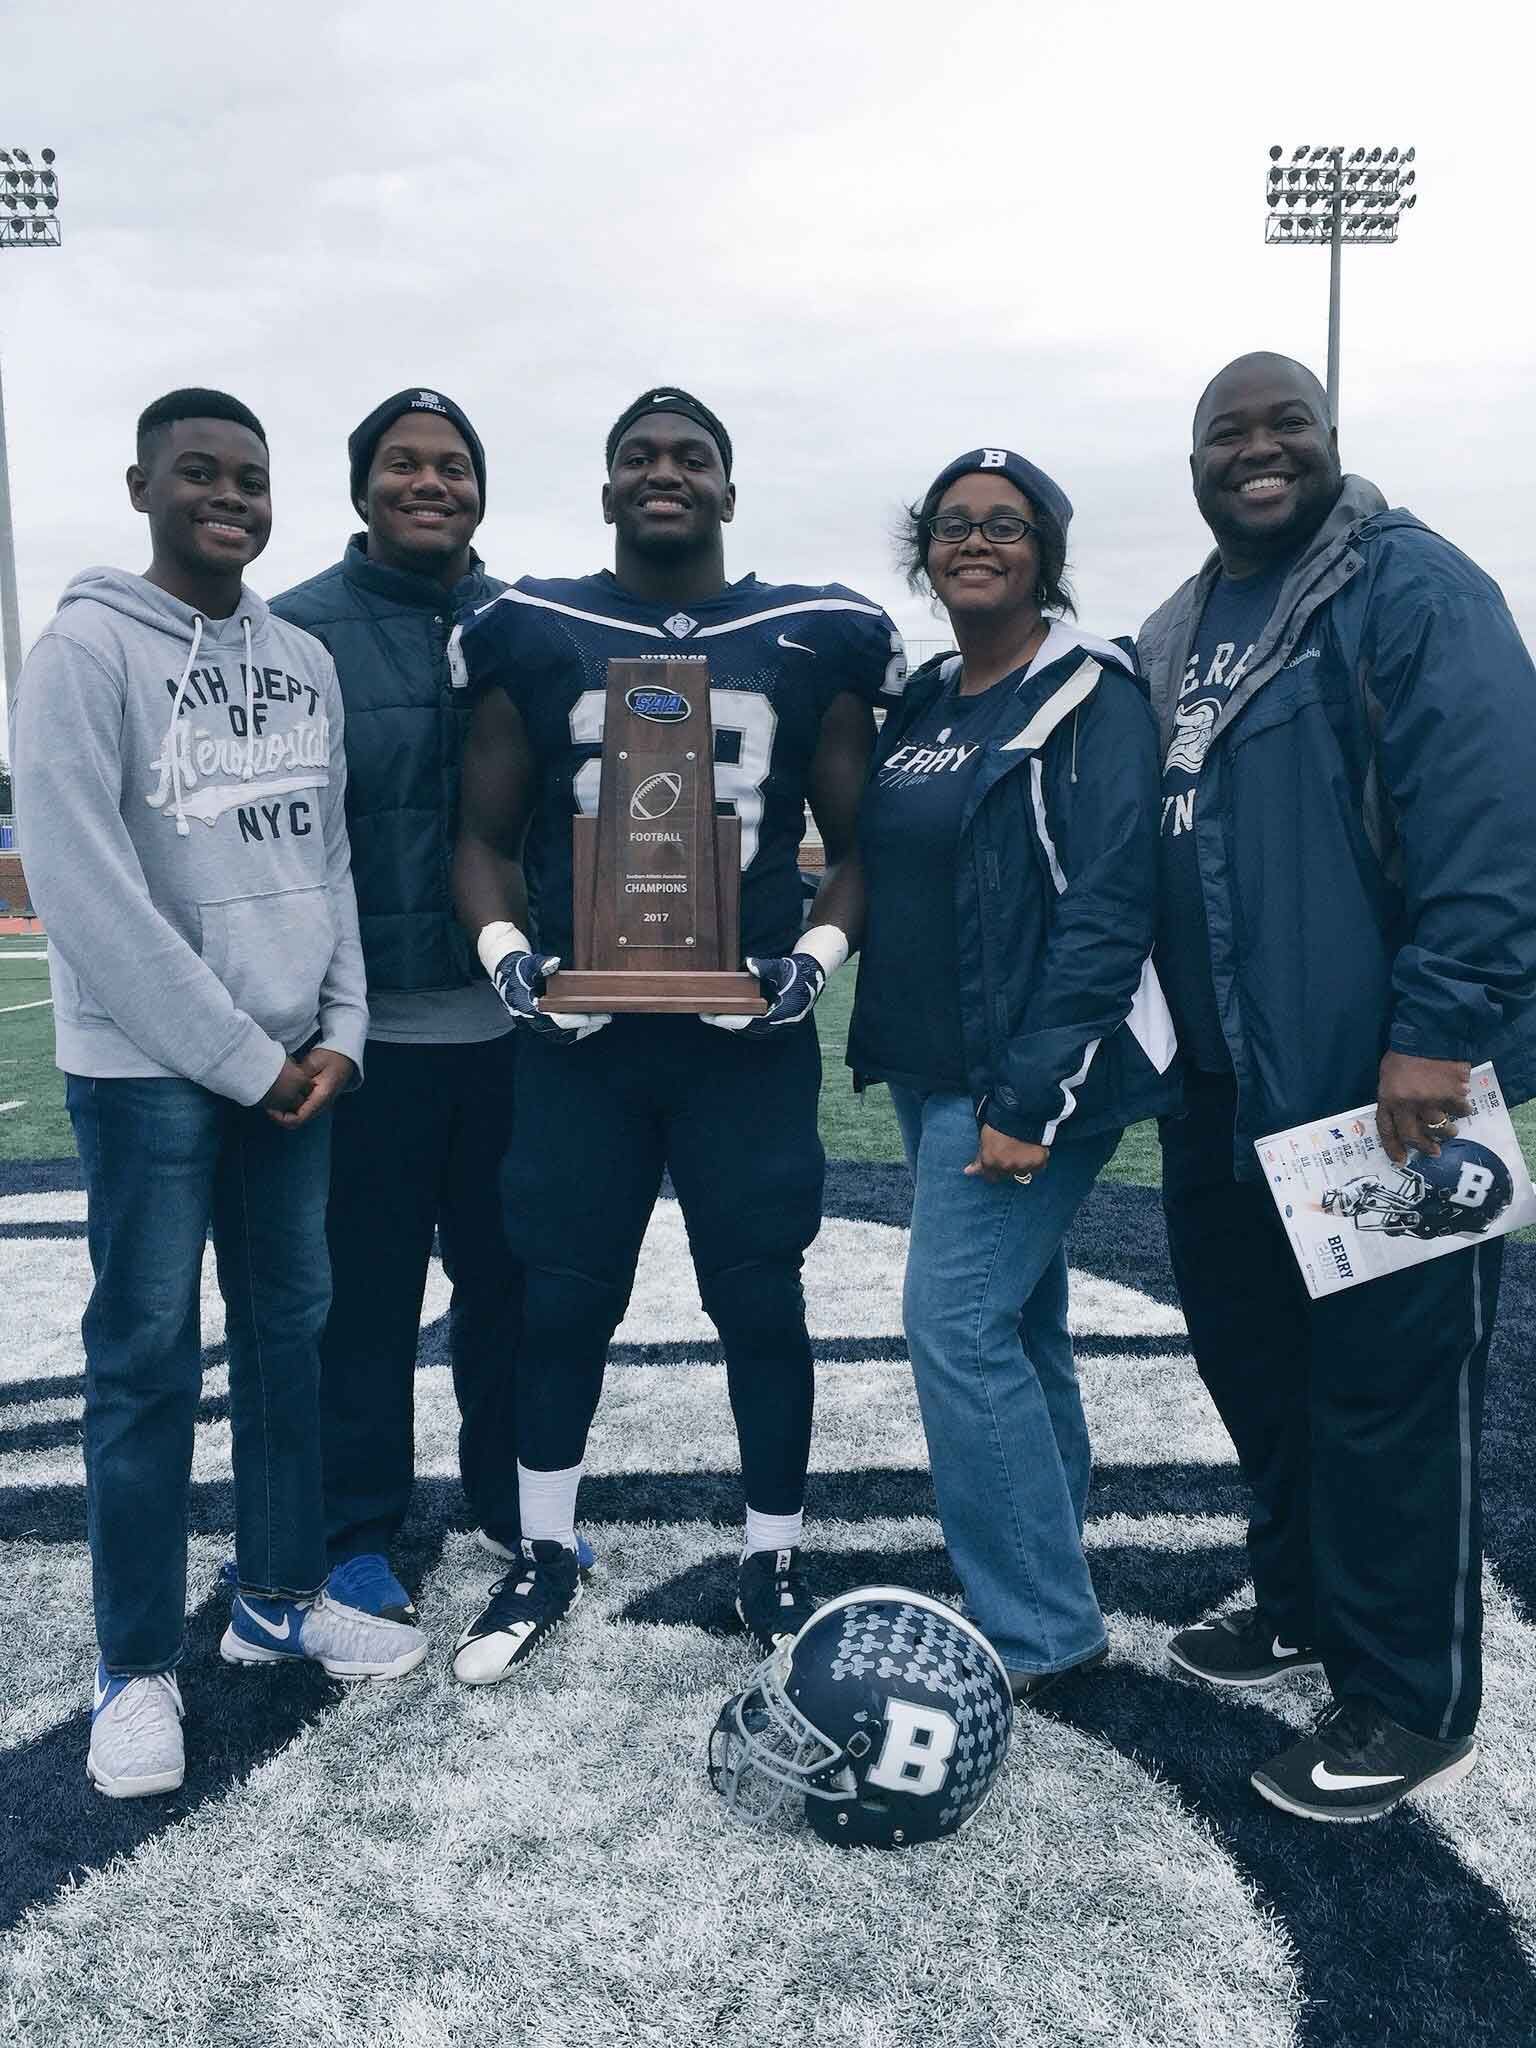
pixel 44 1003
pixel 4 1106
pixel 4 955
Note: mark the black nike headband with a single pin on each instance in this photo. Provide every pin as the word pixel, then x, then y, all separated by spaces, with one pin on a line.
pixel 668 398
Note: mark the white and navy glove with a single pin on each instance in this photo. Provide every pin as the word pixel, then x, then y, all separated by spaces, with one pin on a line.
pixel 791 983
pixel 520 974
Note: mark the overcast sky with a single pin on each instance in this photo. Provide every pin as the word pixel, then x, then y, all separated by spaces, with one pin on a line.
pixel 871 235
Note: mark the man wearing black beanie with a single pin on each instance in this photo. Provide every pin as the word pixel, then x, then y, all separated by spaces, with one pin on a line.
pixel 418 1148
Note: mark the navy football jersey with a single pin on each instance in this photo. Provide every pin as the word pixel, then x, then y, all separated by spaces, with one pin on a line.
pixel 778 654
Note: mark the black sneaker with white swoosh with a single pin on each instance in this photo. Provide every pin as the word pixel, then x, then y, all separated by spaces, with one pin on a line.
pixel 1243 1648
pixel 1356 1765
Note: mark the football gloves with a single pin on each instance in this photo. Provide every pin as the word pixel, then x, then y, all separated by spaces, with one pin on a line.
pixel 520 975
pixel 791 983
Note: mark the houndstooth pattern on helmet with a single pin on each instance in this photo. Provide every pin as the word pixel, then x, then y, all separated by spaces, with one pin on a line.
pixel 895 1641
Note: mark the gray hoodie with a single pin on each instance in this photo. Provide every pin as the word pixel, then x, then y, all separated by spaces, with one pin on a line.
pixel 180 787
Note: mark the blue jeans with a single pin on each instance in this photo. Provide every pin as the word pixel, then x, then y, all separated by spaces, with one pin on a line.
pixel 163 1160
pixel 985 1308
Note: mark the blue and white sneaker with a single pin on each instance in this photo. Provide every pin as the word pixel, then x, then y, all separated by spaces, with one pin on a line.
pixel 586 1556
pixel 368 1584
pixel 136 1746
pixel 342 1640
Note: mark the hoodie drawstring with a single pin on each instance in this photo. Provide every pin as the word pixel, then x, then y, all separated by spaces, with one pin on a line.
pixel 1075 717
pixel 250 726
pixel 182 827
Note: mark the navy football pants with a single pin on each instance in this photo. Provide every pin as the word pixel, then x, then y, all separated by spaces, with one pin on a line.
pixel 418 1148
pixel 1357 1421
pixel 733 1120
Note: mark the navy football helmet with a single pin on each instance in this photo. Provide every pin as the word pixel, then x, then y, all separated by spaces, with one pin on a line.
pixel 889 1713
pixel 1459 1194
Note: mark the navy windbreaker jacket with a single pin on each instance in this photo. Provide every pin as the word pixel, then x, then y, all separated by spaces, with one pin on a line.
pixel 387 632
pixel 1366 824
pixel 1066 1031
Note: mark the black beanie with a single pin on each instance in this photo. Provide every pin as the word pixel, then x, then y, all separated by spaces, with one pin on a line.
pixel 669 398
pixel 363 440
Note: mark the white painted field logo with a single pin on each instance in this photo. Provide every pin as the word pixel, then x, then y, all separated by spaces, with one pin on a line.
pixel 657 797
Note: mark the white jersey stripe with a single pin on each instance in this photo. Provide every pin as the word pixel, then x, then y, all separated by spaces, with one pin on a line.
pixel 569 611
pixel 785 611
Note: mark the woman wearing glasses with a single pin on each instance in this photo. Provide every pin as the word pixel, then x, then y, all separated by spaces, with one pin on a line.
pixel 1008 840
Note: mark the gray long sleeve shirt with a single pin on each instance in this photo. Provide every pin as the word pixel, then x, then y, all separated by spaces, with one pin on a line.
pixel 180 792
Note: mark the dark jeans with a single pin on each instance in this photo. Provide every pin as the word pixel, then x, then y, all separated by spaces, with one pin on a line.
pixel 1357 1421
pixel 733 1120
pixel 163 1160
pixel 418 1147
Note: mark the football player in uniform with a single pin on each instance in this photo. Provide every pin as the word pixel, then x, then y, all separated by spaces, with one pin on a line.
pixel 605 1106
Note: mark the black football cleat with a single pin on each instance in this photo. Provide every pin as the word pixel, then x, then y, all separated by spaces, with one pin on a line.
pixel 772 1598
pixel 524 1610
pixel 1356 1765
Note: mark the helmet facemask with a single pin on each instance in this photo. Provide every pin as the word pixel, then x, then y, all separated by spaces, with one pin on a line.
pixel 1377 1204
pixel 763 1748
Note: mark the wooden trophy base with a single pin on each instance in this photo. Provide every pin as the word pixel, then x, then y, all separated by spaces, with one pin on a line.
pixel 672 992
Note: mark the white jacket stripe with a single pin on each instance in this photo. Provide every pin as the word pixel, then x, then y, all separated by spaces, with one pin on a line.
pixel 1080 684
pixel 1068 1099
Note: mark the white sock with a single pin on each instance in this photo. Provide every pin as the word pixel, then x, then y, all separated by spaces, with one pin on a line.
pixel 547 1504
pixel 770 1532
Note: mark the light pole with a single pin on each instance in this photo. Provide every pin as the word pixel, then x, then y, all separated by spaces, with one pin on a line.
pixel 1322 196
pixel 29 199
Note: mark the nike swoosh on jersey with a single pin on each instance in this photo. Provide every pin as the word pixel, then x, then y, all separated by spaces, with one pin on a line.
pixel 278 1635
pixel 1348 1781
pixel 785 641
pixel 1279 1649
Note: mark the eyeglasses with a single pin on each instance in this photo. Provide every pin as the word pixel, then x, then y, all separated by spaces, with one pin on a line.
pixel 1002 528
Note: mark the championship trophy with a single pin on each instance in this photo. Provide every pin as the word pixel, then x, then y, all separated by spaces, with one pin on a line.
pixel 656 875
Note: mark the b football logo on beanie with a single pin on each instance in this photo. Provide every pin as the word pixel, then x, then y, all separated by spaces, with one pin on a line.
pixel 994 458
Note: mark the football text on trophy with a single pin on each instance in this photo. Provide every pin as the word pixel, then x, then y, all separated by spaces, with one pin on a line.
pixel 656 875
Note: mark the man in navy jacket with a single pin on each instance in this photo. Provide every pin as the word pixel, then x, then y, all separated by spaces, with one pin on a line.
pixel 1348 865
pixel 420 1146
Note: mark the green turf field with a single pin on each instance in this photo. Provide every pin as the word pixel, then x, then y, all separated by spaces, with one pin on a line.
pixel 36 1128
pixel 852 1126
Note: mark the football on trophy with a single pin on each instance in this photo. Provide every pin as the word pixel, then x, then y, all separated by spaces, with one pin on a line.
pixel 657 796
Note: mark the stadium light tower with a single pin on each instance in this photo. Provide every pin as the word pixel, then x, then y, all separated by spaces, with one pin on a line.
pixel 29 208
pixel 1323 196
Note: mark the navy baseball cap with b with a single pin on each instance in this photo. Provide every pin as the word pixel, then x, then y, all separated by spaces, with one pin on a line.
pixel 1042 491
pixel 365 438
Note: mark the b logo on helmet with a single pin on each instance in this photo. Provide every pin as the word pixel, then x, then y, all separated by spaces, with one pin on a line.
pixel 915 1754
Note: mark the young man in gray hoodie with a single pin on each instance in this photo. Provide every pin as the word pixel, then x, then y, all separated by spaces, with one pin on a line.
pixel 180 784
